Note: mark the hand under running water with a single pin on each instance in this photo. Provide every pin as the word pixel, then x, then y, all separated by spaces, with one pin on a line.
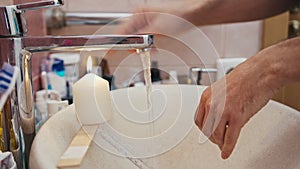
pixel 248 87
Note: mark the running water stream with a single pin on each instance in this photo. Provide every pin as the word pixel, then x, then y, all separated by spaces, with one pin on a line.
pixel 146 61
pixel 145 58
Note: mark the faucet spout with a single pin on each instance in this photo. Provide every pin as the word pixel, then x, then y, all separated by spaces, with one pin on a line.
pixel 87 43
pixel 16 49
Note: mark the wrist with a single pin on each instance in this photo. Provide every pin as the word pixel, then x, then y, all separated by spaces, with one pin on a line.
pixel 271 77
pixel 271 69
pixel 261 73
pixel 283 60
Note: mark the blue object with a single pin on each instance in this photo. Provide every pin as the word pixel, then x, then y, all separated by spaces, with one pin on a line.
pixel 58 67
pixel 6 74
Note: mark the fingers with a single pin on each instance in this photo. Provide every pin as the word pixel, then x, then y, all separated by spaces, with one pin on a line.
pixel 219 132
pixel 200 113
pixel 133 25
pixel 208 121
pixel 205 118
pixel 214 125
pixel 231 137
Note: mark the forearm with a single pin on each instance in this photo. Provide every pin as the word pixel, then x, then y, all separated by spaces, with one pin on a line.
pixel 284 60
pixel 206 12
pixel 276 66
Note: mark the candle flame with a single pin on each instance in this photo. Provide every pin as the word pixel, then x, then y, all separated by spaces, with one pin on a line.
pixel 89 65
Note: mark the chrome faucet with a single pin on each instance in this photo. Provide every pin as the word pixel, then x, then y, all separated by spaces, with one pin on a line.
pixel 199 72
pixel 58 18
pixel 17 49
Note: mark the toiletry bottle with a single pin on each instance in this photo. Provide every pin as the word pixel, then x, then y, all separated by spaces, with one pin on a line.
pixel 58 67
pixel 155 72
pixel 105 72
pixel 57 77
pixel 41 107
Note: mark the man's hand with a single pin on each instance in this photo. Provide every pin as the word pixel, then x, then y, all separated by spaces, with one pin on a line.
pixel 168 18
pixel 228 104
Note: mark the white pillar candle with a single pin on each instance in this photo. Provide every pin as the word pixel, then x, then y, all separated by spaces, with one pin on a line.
pixel 92 99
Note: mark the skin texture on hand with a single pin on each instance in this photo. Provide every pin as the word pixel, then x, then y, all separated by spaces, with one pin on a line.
pixel 155 17
pixel 246 89
pixel 227 105
pixel 245 94
pixel 159 18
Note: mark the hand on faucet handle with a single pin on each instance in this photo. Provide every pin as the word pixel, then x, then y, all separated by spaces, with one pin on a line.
pixel 166 19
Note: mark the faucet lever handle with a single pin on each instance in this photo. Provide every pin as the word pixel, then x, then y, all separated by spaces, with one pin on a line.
pixel 199 73
pixel 39 4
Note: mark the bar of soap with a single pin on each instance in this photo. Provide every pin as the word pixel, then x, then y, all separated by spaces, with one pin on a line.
pixel 92 100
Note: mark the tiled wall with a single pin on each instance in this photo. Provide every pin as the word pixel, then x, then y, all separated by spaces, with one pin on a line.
pixel 236 40
pixel 231 40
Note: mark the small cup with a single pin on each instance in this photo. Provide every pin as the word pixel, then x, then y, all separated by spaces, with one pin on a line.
pixel 54 106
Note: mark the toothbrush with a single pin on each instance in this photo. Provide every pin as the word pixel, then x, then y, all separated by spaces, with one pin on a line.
pixel 45 82
pixel 8 79
pixel 46 67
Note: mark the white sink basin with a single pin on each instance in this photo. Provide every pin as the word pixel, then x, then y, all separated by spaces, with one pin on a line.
pixel 271 140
